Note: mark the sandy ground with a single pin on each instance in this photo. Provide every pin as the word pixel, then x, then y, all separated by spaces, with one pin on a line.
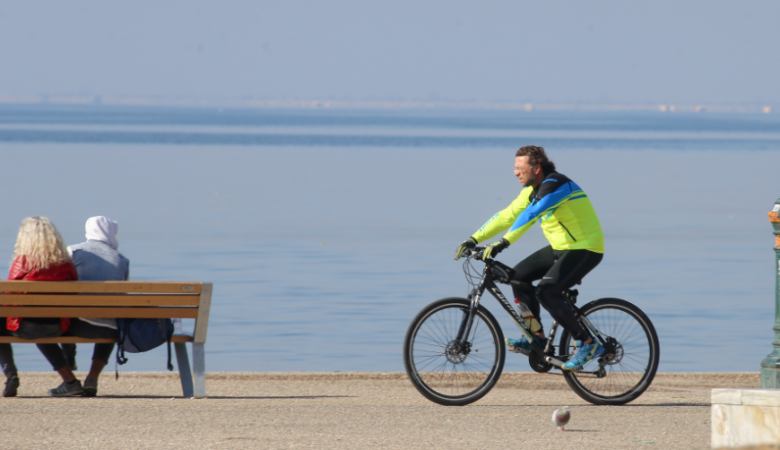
pixel 353 411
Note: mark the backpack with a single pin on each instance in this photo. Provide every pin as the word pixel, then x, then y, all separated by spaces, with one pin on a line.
pixel 142 335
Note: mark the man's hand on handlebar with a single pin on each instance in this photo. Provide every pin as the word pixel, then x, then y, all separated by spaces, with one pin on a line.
pixel 468 244
pixel 494 249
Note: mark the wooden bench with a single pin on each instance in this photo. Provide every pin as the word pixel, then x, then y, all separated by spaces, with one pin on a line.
pixel 117 300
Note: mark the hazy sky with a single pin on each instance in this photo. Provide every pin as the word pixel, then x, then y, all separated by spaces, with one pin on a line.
pixel 684 52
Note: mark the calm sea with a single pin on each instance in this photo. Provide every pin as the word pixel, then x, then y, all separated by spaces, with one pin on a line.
pixel 325 231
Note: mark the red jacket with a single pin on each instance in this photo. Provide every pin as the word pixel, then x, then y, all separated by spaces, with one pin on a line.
pixel 20 271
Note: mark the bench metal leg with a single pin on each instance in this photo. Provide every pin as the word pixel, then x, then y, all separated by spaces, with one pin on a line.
pixel 184 368
pixel 199 369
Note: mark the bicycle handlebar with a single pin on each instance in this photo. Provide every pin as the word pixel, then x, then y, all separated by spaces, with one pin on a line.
pixel 500 272
pixel 475 252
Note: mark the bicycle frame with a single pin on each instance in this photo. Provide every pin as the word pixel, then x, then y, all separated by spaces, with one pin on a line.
pixel 488 283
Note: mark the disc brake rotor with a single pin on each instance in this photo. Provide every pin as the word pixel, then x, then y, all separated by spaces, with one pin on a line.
pixel 614 353
pixel 456 353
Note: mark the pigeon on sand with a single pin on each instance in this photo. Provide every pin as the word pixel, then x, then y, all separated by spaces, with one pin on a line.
pixel 561 417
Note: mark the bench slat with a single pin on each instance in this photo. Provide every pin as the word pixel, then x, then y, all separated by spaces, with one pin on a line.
pixel 99 300
pixel 152 287
pixel 104 312
pixel 75 340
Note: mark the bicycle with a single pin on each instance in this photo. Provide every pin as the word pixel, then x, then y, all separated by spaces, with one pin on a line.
pixel 454 349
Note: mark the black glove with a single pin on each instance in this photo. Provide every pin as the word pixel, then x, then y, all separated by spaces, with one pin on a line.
pixel 494 249
pixel 468 244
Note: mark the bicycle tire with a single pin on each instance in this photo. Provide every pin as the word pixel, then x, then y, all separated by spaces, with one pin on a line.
pixel 631 369
pixel 453 378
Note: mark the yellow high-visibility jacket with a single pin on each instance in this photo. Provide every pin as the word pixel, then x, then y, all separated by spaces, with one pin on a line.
pixel 564 211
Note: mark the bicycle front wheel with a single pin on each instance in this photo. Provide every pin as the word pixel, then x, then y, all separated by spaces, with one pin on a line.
pixel 445 370
pixel 629 364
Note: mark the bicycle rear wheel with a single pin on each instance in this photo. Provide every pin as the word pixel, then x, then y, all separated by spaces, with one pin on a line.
pixel 629 364
pixel 444 370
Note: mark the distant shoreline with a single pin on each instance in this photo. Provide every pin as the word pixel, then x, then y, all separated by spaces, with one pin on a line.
pixel 97 100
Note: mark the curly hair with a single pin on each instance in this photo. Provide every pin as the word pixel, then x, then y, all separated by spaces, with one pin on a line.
pixel 536 155
pixel 40 243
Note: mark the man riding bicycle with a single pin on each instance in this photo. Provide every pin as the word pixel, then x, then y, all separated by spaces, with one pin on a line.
pixel 576 247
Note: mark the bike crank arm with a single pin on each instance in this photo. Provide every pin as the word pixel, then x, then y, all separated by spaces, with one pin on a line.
pixel 559 364
pixel 554 361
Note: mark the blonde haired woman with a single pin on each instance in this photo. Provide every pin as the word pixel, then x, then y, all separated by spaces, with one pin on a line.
pixel 39 255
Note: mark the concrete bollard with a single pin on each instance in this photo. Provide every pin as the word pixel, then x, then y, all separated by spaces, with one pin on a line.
pixel 770 366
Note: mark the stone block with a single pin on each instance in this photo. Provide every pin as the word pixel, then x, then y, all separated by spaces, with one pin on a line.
pixel 726 396
pixel 743 417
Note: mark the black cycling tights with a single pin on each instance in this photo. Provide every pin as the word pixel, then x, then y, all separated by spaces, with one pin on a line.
pixel 558 270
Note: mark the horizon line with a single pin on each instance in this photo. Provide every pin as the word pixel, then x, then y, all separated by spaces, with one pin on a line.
pixel 98 100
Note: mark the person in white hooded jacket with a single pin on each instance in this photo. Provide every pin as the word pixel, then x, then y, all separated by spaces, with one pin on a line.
pixel 97 259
